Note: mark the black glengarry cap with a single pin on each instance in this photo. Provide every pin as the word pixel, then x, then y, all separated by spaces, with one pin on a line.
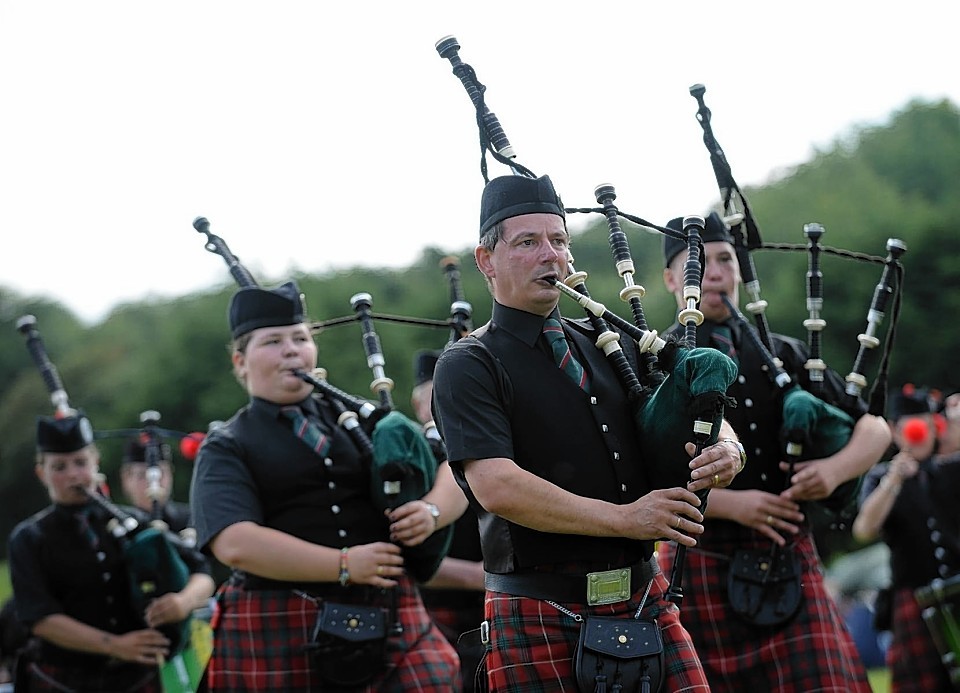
pixel 63 434
pixel 253 308
pixel 511 196
pixel 714 229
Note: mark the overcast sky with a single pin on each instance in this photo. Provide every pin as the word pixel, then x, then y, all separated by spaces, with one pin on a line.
pixel 317 135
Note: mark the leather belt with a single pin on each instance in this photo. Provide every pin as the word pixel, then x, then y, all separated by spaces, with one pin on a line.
pixel 578 589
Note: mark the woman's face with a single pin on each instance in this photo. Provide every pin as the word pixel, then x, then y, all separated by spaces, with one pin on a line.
pixel 267 364
pixel 68 476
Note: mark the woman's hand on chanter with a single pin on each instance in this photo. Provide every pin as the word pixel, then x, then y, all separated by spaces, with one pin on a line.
pixel 377 564
pixel 412 523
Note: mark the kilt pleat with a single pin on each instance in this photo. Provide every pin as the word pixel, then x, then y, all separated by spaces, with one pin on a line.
pixel 913 658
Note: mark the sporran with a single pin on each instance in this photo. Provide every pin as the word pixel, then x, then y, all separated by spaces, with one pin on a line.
pixel 764 587
pixel 619 651
pixel 349 643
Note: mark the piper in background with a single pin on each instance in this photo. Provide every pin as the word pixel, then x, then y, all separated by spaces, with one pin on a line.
pixel 910 502
pixel 71 583
pixel 809 648
pixel 134 481
pixel 454 596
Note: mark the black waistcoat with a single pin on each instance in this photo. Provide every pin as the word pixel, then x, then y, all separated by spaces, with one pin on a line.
pixel 585 444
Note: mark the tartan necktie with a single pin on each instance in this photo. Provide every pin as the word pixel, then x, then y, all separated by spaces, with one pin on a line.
pixel 315 437
pixel 722 337
pixel 85 528
pixel 553 331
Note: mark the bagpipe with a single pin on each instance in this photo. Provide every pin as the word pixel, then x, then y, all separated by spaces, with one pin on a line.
pixel 677 391
pixel 816 423
pixel 152 562
pixel 401 464
pixel 156 449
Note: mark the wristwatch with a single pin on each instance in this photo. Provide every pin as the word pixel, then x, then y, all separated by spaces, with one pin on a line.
pixel 434 513
pixel 743 453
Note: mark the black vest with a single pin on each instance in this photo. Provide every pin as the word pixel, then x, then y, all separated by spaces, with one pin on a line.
pixel 585 444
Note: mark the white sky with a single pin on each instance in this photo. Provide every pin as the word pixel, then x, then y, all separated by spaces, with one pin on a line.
pixel 320 135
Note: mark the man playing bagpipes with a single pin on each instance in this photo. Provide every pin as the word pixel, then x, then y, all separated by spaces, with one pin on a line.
pixel 785 633
pixel 539 430
pixel 910 502
pixel 73 586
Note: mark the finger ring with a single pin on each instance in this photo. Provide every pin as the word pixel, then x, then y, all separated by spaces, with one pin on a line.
pixel 769 519
pixel 379 570
pixel 716 479
pixel 679 520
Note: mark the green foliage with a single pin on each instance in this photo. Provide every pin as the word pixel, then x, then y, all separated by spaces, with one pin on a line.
pixel 897 180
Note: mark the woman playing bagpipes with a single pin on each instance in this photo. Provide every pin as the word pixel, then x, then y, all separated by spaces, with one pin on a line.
pixel 321 596
pixel 72 585
pixel 788 633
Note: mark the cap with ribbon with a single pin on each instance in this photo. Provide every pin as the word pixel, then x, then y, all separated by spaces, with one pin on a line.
pixel 714 229
pixel 64 434
pixel 254 307
pixel 511 196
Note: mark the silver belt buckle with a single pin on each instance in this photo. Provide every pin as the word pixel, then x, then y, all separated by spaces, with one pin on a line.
pixel 608 586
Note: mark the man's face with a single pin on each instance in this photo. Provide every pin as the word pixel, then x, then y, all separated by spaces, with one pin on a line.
pixel 533 249
pixel 721 275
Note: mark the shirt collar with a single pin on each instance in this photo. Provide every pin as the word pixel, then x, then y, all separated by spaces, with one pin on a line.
pixel 272 409
pixel 527 327
pixel 731 324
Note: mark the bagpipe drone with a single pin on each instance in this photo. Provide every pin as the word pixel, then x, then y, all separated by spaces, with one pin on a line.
pixel 397 453
pixel 677 391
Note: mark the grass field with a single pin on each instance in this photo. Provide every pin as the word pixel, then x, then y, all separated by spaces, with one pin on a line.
pixel 5 589
pixel 879 680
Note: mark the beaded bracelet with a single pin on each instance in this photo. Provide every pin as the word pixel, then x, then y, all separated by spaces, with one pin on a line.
pixel 344 576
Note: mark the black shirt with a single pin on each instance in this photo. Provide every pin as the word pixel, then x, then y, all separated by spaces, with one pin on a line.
pixel 55 570
pixel 498 393
pixel 923 527
pixel 254 469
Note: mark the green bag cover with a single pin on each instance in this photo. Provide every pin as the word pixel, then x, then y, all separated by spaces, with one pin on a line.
pixel 401 453
pixel 821 430
pixel 695 387
pixel 155 568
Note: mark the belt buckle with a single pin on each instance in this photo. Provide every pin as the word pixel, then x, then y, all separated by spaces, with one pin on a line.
pixel 608 586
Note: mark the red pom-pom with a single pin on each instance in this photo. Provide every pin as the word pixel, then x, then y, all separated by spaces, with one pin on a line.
pixel 916 431
pixel 190 443
pixel 909 389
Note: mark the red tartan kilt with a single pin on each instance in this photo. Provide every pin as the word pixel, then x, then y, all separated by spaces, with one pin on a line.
pixel 812 652
pixel 912 656
pixel 533 643
pixel 260 638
